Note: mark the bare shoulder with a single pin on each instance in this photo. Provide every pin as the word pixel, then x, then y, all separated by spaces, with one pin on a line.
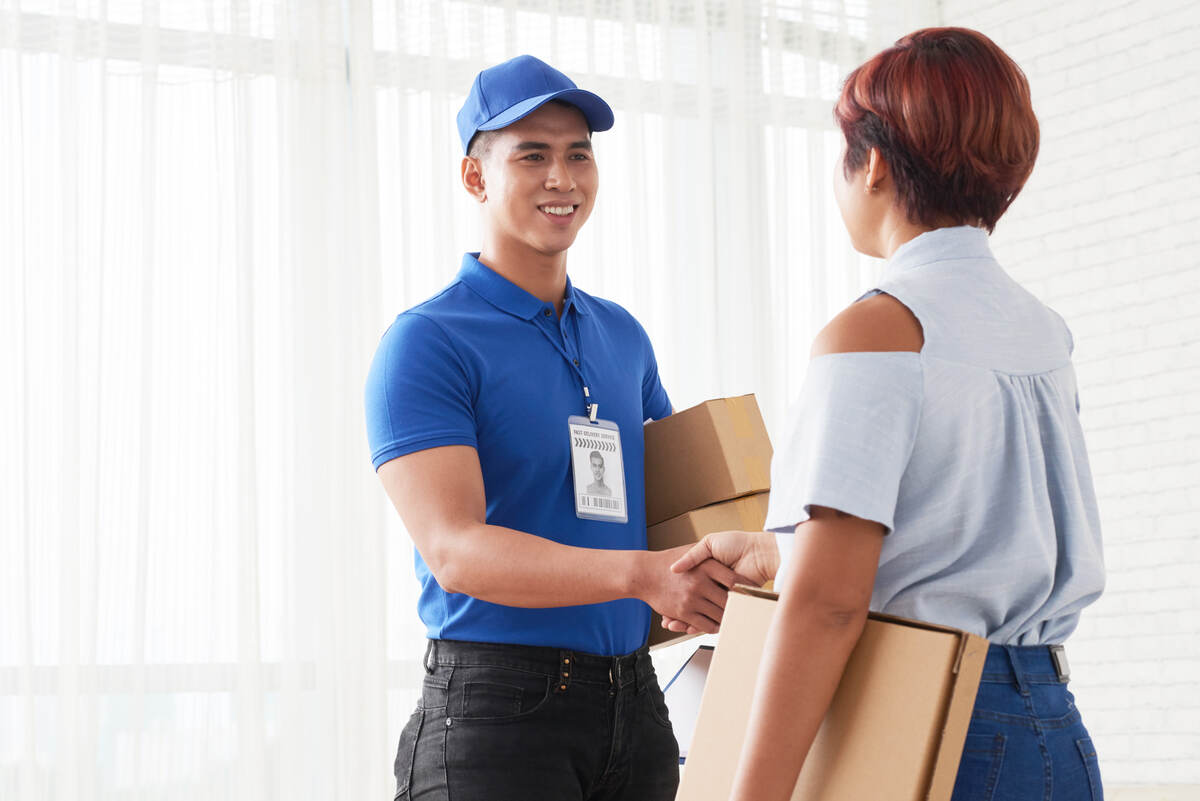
pixel 879 323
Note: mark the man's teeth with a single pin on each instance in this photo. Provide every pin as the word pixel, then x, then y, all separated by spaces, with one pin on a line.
pixel 561 211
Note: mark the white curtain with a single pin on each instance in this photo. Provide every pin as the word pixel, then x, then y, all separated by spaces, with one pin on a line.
pixel 209 211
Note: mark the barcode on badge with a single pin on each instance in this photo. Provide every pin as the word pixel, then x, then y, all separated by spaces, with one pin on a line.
pixel 600 503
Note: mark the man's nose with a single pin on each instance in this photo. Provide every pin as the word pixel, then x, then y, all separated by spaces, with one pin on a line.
pixel 559 175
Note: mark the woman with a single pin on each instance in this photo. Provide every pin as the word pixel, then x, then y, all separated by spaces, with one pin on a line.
pixel 935 466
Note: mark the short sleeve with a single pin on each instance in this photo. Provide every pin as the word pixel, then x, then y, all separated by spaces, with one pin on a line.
pixel 655 403
pixel 849 438
pixel 418 393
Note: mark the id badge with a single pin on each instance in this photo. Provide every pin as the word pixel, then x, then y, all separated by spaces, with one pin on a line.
pixel 598 468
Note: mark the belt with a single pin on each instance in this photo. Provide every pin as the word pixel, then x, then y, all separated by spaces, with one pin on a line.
pixel 565 665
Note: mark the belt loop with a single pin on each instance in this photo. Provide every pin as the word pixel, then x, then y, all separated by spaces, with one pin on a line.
pixel 430 650
pixel 1018 673
pixel 566 661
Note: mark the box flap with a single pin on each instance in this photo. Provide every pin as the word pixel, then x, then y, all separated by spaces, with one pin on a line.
pixel 920 624
pixel 757 592
pixel 969 669
pixel 754 592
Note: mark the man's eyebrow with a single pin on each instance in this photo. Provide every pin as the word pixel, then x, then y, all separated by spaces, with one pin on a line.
pixel 582 144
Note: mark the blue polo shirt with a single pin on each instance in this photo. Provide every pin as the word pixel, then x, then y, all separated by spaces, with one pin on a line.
pixel 486 364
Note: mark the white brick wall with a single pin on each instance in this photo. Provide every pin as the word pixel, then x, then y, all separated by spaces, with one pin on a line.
pixel 1107 232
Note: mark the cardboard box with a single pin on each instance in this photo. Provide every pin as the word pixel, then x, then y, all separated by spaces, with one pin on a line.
pixel 740 514
pixel 704 455
pixel 894 731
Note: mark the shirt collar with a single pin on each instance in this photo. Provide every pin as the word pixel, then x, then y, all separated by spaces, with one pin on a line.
pixel 507 296
pixel 940 244
pixel 574 299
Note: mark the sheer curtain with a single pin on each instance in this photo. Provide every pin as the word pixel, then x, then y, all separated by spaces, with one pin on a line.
pixel 208 213
pixel 192 560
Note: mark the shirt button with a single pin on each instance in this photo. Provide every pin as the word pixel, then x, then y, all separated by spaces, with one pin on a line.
pixel 546 312
pixel 576 362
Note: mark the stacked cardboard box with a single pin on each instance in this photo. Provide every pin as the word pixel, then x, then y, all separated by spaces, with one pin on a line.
pixel 896 726
pixel 708 469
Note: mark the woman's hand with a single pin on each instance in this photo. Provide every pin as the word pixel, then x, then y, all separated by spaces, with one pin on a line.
pixel 751 554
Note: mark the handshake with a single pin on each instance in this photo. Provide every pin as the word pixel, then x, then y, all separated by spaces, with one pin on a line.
pixel 707 486
pixel 693 600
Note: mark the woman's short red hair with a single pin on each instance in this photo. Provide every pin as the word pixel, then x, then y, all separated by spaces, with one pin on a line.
pixel 950 113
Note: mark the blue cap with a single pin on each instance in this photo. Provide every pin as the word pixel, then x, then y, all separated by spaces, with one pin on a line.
pixel 505 93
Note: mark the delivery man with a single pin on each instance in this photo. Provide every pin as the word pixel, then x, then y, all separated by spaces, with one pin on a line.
pixel 484 405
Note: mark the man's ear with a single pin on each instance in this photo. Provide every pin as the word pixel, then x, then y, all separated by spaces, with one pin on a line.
pixel 472 178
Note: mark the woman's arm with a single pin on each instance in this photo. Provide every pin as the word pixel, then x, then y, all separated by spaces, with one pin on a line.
pixel 823 598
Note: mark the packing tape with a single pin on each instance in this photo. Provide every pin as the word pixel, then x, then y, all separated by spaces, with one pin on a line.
pixel 755 471
pixel 742 427
pixel 748 512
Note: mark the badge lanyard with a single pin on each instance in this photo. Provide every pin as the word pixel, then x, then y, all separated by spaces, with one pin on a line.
pixel 597 462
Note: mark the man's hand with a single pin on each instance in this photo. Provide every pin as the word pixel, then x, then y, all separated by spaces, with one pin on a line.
pixel 695 598
pixel 752 554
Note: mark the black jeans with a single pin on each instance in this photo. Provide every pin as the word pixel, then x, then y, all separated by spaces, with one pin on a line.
pixel 514 722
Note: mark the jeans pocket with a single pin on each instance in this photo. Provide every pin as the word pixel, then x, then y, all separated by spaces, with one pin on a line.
pixel 656 702
pixel 406 752
pixel 1092 764
pixel 979 768
pixel 498 695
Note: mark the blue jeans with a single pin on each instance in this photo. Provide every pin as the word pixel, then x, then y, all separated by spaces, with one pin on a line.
pixel 1026 741
pixel 515 723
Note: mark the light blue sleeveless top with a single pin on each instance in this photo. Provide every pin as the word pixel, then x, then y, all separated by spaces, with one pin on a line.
pixel 970 452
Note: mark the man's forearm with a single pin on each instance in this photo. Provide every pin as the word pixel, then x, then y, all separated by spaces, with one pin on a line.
pixel 504 566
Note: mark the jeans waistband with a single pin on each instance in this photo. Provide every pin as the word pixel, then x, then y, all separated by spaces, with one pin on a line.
pixel 565 665
pixel 1025 664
